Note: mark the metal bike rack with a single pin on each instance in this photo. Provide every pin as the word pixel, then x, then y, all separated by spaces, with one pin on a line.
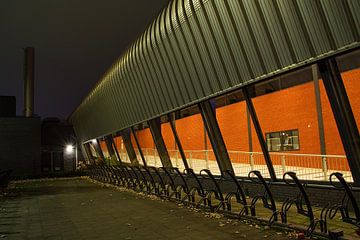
pixel 169 184
pixel 196 186
pixel 266 197
pixel 330 211
pixel 159 183
pixel 214 191
pixel 299 203
pixel 239 195
pixel 182 187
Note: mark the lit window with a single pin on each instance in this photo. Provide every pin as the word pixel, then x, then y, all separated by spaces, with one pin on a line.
pixel 283 140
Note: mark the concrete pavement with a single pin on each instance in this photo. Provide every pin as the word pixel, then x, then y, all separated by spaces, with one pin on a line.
pixel 76 208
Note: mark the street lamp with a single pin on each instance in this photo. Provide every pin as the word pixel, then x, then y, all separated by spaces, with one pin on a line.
pixel 69 149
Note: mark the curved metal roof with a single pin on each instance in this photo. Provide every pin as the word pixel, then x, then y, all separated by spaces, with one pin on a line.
pixel 196 49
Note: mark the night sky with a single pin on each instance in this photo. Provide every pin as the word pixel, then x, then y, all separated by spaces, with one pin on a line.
pixel 75 42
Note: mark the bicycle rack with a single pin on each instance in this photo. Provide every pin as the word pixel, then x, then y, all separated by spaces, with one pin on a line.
pixel 159 184
pixel 114 177
pixel 266 197
pixel 119 175
pixel 144 185
pixel 299 203
pixel 132 182
pixel 198 188
pixel 151 185
pixel 239 195
pixel 183 187
pixel 138 183
pixel 330 211
pixel 169 184
pixel 216 192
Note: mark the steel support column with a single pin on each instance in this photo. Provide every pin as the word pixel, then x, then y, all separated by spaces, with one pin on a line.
pixel 116 150
pixel 109 145
pixel 216 139
pixel 125 134
pixel 89 153
pixel 259 133
pixel 139 147
pixel 177 141
pixel 319 109
pixel 98 150
pixel 343 114
pixel 155 129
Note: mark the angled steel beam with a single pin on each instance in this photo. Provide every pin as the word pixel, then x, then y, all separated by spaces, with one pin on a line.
pixel 98 150
pixel 155 129
pixel 259 133
pixel 125 134
pixel 110 146
pixel 320 120
pixel 343 114
pixel 177 141
pixel 89 153
pixel 116 150
pixel 216 139
pixel 138 146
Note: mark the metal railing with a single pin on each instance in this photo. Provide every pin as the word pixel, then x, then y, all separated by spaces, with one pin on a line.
pixel 307 166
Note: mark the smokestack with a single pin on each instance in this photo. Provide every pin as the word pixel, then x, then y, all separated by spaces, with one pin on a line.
pixel 29 81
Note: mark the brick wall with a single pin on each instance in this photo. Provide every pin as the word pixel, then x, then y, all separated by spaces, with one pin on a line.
pixel 291 108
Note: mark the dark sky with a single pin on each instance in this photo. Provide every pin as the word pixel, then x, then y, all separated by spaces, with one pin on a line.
pixel 75 42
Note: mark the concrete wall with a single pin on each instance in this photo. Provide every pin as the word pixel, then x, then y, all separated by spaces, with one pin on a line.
pixel 20 143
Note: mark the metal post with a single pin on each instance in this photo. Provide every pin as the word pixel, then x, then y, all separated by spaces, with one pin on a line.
pixel 110 146
pixel 88 152
pixel 324 167
pixel 155 128
pixel 76 156
pixel 343 114
pixel 319 110
pixel 138 146
pixel 206 150
pixel 259 134
pixel 125 134
pixel 252 162
pixel 191 162
pixel 176 159
pixel 116 150
pixel 177 140
pixel 216 139
pixel 98 149
pixel 248 120
pixel 283 163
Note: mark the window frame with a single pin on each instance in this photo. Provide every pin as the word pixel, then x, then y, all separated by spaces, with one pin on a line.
pixel 281 143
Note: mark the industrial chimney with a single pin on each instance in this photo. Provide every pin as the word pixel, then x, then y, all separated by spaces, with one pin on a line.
pixel 29 81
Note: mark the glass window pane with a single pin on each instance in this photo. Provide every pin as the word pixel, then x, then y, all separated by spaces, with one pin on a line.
pixel 148 148
pixel 194 140
pixel 104 149
pixel 232 118
pixel 120 147
pixel 171 146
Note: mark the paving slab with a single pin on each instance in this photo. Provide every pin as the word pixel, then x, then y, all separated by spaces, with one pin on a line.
pixel 77 208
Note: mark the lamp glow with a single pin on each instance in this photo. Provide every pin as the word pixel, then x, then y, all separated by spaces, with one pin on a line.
pixel 69 149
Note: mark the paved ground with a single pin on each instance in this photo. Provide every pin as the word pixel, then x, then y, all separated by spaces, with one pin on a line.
pixel 80 209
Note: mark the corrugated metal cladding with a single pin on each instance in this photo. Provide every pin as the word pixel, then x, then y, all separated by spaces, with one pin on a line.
pixel 198 48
